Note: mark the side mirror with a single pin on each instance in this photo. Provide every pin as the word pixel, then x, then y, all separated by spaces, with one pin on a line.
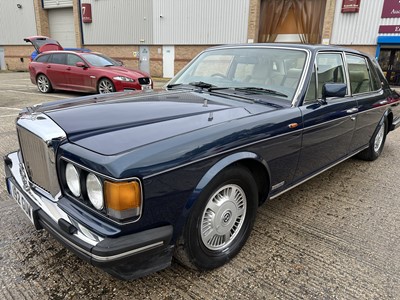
pixel 333 90
pixel 120 62
pixel 80 64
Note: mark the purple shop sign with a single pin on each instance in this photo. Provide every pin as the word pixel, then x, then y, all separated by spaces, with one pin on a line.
pixel 389 29
pixel 350 6
pixel 391 9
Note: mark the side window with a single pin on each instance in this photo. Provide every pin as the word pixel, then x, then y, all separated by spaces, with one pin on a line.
pixel 360 80
pixel 311 95
pixel 329 69
pixel 43 58
pixel 59 58
pixel 72 59
pixel 376 82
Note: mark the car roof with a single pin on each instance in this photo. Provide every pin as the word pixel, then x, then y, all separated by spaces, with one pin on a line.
pixel 312 48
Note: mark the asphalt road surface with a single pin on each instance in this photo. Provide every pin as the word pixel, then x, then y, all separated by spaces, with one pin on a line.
pixel 334 237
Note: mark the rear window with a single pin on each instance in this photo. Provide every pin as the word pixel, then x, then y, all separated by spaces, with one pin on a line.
pixel 42 58
pixel 360 80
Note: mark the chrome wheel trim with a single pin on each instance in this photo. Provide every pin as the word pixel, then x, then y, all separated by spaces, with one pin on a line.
pixel 43 83
pixel 379 138
pixel 105 86
pixel 223 217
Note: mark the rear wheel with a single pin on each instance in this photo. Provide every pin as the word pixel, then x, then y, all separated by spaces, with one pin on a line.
pixel 376 144
pixel 105 86
pixel 44 84
pixel 220 221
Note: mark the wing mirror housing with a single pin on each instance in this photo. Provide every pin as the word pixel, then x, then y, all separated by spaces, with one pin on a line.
pixel 337 90
pixel 80 64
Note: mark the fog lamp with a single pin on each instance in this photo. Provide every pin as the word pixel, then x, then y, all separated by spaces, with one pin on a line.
pixel 123 199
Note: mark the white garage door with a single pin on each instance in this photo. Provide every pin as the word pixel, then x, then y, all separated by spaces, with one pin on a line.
pixel 61 23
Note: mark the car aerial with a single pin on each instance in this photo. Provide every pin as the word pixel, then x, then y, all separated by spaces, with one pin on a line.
pixel 128 181
pixel 82 71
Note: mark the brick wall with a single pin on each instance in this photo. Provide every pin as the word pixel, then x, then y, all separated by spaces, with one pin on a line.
pixel 17 57
pixel 328 19
pixel 42 18
pixel 254 20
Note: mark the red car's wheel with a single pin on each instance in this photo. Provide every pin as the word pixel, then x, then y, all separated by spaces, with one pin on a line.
pixel 44 84
pixel 105 86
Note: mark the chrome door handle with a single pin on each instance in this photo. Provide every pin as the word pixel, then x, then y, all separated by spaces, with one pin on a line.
pixel 352 110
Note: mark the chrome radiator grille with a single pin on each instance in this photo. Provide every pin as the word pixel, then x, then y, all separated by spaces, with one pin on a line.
pixel 39 161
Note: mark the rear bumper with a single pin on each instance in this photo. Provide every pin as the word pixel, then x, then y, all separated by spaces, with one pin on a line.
pixel 126 257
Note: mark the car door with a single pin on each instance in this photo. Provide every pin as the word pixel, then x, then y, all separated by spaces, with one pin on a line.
pixel 328 125
pixel 366 89
pixel 56 69
pixel 78 77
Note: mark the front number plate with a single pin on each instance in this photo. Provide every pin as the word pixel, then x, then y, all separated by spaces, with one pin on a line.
pixel 146 87
pixel 22 202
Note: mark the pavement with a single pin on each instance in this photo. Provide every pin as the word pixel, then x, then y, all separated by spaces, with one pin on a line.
pixel 334 237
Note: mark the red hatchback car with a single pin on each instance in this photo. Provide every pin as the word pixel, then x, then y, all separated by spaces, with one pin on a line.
pixel 83 72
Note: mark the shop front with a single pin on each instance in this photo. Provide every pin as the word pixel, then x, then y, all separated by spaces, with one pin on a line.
pixel 388 42
pixel 388 55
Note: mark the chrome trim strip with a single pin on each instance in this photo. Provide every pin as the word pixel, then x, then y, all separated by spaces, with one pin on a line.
pixel 111 179
pixel 106 258
pixel 48 206
pixel 66 240
pixel 98 173
pixel 220 153
pixel 256 142
pixel 41 125
pixel 128 253
pixel 318 173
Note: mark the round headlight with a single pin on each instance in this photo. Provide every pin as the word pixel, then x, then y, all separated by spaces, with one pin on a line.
pixel 95 191
pixel 72 178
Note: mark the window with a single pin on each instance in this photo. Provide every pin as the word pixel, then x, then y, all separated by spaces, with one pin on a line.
pixel 59 58
pixel 376 82
pixel 360 80
pixel 72 59
pixel 329 69
pixel 311 95
pixel 42 58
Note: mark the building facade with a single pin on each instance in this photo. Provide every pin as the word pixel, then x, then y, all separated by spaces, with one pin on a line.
pixel 161 36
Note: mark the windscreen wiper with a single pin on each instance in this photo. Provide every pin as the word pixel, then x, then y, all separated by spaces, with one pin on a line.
pixel 169 86
pixel 201 84
pixel 261 91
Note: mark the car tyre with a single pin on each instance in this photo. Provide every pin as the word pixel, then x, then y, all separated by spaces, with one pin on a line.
pixel 44 84
pixel 376 143
pixel 105 86
pixel 220 221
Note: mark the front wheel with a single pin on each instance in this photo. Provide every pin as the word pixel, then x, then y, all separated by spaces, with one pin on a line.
pixel 220 221
pixel 105 86
pixel 376 144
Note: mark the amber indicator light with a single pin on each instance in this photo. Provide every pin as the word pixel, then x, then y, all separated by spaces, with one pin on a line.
pixel 122 195
pixel 293 125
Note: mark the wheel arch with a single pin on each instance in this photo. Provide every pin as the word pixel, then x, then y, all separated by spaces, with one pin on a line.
pixel 389 117
pixel 254 163
pixel 103 77
pixel 41 73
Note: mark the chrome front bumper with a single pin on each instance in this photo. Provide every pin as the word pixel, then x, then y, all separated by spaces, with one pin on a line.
pixel 127 256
